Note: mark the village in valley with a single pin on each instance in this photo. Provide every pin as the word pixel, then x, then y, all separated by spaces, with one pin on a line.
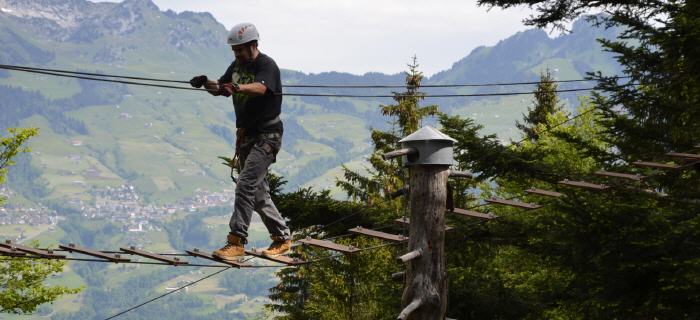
pixel 121 205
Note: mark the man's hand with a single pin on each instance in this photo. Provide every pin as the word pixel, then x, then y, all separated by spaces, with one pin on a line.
pixel 227 89
pixel 198 81
pixel 212 87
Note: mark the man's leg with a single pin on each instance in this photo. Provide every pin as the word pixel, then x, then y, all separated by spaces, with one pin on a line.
pixel 271 217
pixel 255 165
pixel 279 232
pixel 243 209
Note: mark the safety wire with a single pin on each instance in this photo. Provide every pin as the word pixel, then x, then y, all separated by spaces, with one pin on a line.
pixel 18 67
pixel 167 293
pixel 226 268
pixel 94 77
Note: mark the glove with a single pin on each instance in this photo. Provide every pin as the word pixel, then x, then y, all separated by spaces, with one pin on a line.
pixel 198 81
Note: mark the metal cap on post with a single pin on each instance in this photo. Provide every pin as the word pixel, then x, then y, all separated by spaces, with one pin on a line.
pixel 433 147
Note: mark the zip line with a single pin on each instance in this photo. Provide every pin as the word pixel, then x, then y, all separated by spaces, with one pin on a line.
pixel 303 85
pixel 101 77
pixel 167 293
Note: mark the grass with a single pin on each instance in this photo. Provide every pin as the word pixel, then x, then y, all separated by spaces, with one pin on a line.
pixel 50 87
pixel 561 68
pixel 327 180
pixel 335 126
pixel 29 232
pixel 51 238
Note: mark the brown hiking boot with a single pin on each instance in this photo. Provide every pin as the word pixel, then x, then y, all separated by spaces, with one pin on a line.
pixel 232 251
pixel 278 247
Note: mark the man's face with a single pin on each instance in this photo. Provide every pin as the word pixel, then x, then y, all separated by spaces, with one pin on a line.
pixel 242 53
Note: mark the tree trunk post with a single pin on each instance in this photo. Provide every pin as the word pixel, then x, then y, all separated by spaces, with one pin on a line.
pixel 425 290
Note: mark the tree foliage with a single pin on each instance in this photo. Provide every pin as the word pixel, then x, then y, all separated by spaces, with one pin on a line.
pixel 23 284
pixel 13 145
pixel 22 281
pixel 625 253
pixel 546 103
pixel 385 177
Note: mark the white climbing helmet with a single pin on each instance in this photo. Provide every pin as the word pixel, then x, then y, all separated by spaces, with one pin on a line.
pixel 242 33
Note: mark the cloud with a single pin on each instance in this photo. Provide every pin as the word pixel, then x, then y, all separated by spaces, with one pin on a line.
pixel 360 36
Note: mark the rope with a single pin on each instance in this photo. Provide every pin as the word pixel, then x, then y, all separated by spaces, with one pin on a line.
pixel 17 67
pixel 167 293
pixel 22 69
pixel 226 268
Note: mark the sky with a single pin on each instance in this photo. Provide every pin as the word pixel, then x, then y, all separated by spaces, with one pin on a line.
pixel 359 36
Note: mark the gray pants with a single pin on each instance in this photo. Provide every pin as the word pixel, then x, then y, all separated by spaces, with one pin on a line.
pixel 256 154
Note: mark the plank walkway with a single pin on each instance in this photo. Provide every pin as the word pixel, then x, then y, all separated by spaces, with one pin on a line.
pixel 379 234
pixel 473 214
pixel 329 245
pixel 517 204
pixel 546 193
pixel 584 185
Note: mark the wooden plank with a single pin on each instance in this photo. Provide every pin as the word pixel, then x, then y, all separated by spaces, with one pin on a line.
pixel 111 257
pixel 37 252
pixel 651 191
pixel 628 176
pixel 584 184
pixel 461 174
pixel 329 245
pixel 171 260
pixel 512 203
pixel 205 255
pixel 379 234
pixel 474 214
pixel 687 156
pixel 546 193
pixel 280 259
pixel 407 222
pixel 11 252
pixel 655 165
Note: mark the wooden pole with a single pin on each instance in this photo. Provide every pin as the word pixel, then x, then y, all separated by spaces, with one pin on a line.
pixel 425 291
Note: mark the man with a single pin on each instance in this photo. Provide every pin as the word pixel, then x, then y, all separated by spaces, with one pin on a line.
pixel 253 81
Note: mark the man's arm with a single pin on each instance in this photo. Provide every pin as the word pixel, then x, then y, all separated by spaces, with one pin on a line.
pixel 252 89
pixel 227 89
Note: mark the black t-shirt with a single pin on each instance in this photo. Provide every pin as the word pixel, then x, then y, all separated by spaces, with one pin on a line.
pixel 253 112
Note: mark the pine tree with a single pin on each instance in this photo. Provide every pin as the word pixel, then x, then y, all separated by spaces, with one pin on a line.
pixel 407 116
pixel 546 103
pixel 628 252
pixel 355 286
